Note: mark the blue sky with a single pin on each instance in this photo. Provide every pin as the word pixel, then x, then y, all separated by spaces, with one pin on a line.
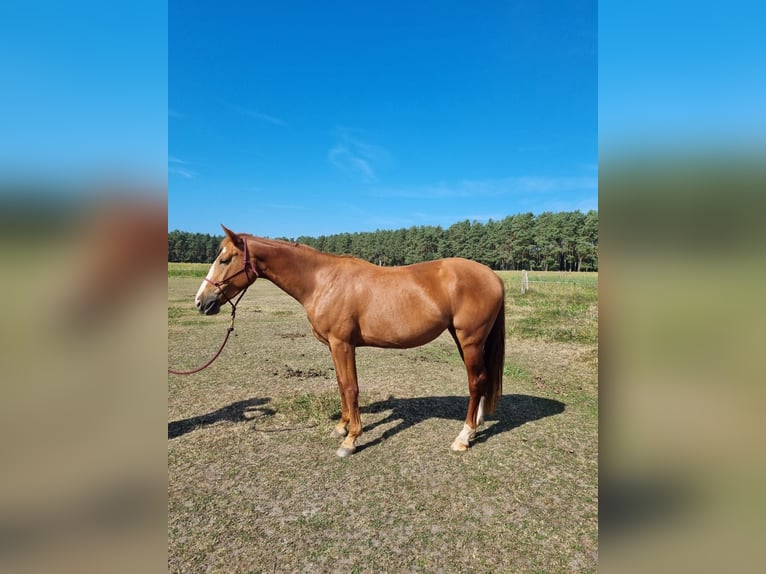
pixel 681 78
pixel 295 120
pixel 289 119
pixel 84 91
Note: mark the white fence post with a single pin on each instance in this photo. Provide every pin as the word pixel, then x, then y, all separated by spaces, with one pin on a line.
pixel 524 282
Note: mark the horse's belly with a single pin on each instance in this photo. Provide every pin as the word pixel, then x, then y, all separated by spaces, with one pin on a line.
pixel 391 327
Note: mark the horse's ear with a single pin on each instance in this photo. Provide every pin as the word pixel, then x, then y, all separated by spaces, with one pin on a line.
pixel 235 239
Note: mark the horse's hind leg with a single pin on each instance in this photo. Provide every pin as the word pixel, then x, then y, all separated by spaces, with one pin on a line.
pixel 473 356
pixel 480 410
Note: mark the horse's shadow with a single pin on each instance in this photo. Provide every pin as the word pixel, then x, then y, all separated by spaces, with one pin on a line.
pixel 235 412
pixel 512 411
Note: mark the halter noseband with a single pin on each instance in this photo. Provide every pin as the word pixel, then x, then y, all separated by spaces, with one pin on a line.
pixel 247 265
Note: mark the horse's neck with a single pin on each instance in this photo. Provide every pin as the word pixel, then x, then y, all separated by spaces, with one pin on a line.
pixel 289 267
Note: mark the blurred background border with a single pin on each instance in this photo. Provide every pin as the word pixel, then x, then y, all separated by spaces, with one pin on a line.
pixel 83 160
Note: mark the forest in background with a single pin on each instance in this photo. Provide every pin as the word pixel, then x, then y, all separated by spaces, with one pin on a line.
pixel 561 241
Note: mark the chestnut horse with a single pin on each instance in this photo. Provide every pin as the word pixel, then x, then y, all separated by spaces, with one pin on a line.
pixel 351 303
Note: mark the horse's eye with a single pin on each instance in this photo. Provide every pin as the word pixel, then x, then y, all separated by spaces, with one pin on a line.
pixel 225 261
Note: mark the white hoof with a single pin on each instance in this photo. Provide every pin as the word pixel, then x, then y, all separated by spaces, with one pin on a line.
pixel 458 446
pixel 463 440
pixel 343 452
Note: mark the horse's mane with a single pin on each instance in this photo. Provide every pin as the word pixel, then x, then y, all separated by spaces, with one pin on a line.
pixel 294 245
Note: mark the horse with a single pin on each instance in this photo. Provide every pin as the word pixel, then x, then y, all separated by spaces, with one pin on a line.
pixel 353 303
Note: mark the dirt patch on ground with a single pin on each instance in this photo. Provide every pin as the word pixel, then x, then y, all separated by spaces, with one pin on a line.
pixel 289 373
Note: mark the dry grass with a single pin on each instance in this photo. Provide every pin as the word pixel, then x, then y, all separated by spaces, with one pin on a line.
pixel 255 486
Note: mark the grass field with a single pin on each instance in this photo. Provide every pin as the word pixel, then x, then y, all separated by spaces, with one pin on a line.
pixel 254 484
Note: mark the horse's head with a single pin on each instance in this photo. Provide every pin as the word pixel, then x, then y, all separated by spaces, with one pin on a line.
pixel 232 272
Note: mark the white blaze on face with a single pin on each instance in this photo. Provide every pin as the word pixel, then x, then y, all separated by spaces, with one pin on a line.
pixel 209 277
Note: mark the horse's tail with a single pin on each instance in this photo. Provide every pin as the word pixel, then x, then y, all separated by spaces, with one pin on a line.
pixel 494 359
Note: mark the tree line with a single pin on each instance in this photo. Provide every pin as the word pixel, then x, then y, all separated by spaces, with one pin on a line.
pixel 562 241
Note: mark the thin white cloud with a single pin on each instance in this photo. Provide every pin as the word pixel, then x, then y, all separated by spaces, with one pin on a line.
pixel 180 168
pixel 268 118
pixel 184 173
pixel 357 157
pixel 349 161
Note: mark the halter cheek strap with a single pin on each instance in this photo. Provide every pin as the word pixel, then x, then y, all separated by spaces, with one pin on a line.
pixel 248 263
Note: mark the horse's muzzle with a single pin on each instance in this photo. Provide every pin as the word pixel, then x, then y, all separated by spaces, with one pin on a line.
pixel 209 306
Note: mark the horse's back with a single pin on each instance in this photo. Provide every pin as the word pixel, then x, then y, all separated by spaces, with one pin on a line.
pixel 444 280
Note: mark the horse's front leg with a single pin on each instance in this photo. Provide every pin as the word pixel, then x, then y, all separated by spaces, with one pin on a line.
pixel 344 358
pixel 341 429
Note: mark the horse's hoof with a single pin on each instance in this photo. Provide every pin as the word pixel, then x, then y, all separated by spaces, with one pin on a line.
pixel 338 434
pixel 343 452
pixel 458 446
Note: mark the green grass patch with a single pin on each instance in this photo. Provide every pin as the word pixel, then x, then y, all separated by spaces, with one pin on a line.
pixel 282 312
pixel 310 407
pixel 551 278
pixel 193 322
pixel 557 313
pixel 188 269
pixel 517 372
pixel 184 315
pixel 174 312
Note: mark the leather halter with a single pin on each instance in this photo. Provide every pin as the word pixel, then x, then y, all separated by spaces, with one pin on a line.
pixel 246 266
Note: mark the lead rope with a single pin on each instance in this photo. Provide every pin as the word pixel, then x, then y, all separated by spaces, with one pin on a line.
pixel 229 330
pixel 210 362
